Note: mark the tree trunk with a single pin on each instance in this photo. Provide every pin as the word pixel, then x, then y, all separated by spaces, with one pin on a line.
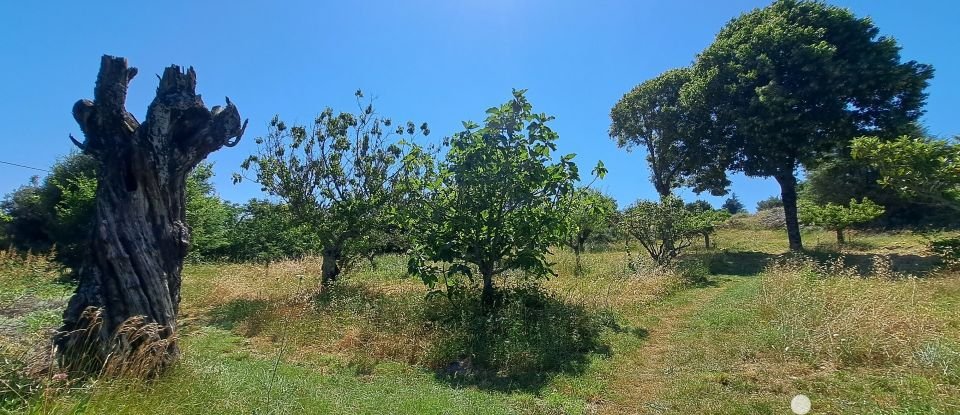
pixel 577 250
pixel 706 240
pixel 126 304
pixel 488 294
pixel 330 270
pixel 788 193
pixel 840 239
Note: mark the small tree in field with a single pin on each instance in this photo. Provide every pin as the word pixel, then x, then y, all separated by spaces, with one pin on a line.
pixel 705 221
pixel 838 217
pixel 344 176
pixel 733 205
pixel 663 228
pixel 589 212
pixel 495 202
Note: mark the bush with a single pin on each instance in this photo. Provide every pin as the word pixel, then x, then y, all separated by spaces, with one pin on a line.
pixel 773 218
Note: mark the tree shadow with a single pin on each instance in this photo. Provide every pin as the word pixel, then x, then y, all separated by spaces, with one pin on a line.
pixel 518 345
pixel 867 263
pixel 741 263
pixel 232 314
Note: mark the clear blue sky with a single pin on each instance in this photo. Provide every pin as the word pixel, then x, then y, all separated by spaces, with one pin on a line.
pixel 434 61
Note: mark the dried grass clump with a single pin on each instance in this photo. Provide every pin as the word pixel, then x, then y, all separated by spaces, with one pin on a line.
pixel 830 313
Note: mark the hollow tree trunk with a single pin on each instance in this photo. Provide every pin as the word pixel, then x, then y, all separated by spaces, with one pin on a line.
pixel 329 269
pixel 131 279
pixel 788 193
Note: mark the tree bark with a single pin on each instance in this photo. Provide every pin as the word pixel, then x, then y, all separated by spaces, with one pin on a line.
pixel 788 193
pixel 840 238
pixel 706 240
pixel 488 294
pixel 329 269
pixel 126 303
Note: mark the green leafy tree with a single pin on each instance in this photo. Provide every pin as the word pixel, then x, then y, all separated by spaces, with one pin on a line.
pixel 58 211
pixel 346 176
pixel 794 81
pixel 706 219
pixel 924 169
pixel 653 117
pixel 495 200
pixel 699 205
pixel 589 213
pixel 733 205
pixel 209 217
pixel 837 217
pixel 266 232
pixel 663 228
pixel 769 203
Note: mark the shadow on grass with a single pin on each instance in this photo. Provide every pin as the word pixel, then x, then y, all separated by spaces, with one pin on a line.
pixel 865 263
pixel 742 263
pixel 749 263
pixel 232 314
pixel 518 345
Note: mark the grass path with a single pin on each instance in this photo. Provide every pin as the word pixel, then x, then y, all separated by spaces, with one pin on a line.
pixel 642 373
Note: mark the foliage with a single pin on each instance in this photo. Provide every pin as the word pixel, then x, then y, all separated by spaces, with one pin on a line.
pixel 589 213
pixel 267 231
pixel 923 168
pixel 495 201
pixel 733 205
pixel 346 176
pixel 58 211
pixel 664 228
pixel 210 218
pixel 699 205
pixel 796 80
pixel 842 178
pixel 769 203
pixel 837 217
pixel 653 117
pixel 706 221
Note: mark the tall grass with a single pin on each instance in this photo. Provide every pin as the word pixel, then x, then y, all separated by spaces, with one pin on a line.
pixel 828 313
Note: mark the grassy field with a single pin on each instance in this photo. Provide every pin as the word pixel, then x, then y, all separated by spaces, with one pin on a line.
pixel 872 328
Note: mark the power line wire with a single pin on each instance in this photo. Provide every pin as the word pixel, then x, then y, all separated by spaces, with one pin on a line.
pixel 20 165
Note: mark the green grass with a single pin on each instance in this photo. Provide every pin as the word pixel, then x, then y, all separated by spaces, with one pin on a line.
pixel 256 339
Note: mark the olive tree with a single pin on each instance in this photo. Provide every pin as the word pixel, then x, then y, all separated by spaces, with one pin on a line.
pixel 790 83
pixel 131 277
pixel 495 201
pixel 345 175
pixel 837 217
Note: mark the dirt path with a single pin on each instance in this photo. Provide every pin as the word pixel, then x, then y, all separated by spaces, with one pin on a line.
pixel 643 372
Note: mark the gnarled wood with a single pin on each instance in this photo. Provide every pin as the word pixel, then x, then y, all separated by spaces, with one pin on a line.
pixel 140 236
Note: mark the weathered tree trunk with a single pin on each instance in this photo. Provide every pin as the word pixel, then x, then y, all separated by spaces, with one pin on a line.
pixel 329 269
pixel 840 238
pixel 127 300
pixel 788 193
